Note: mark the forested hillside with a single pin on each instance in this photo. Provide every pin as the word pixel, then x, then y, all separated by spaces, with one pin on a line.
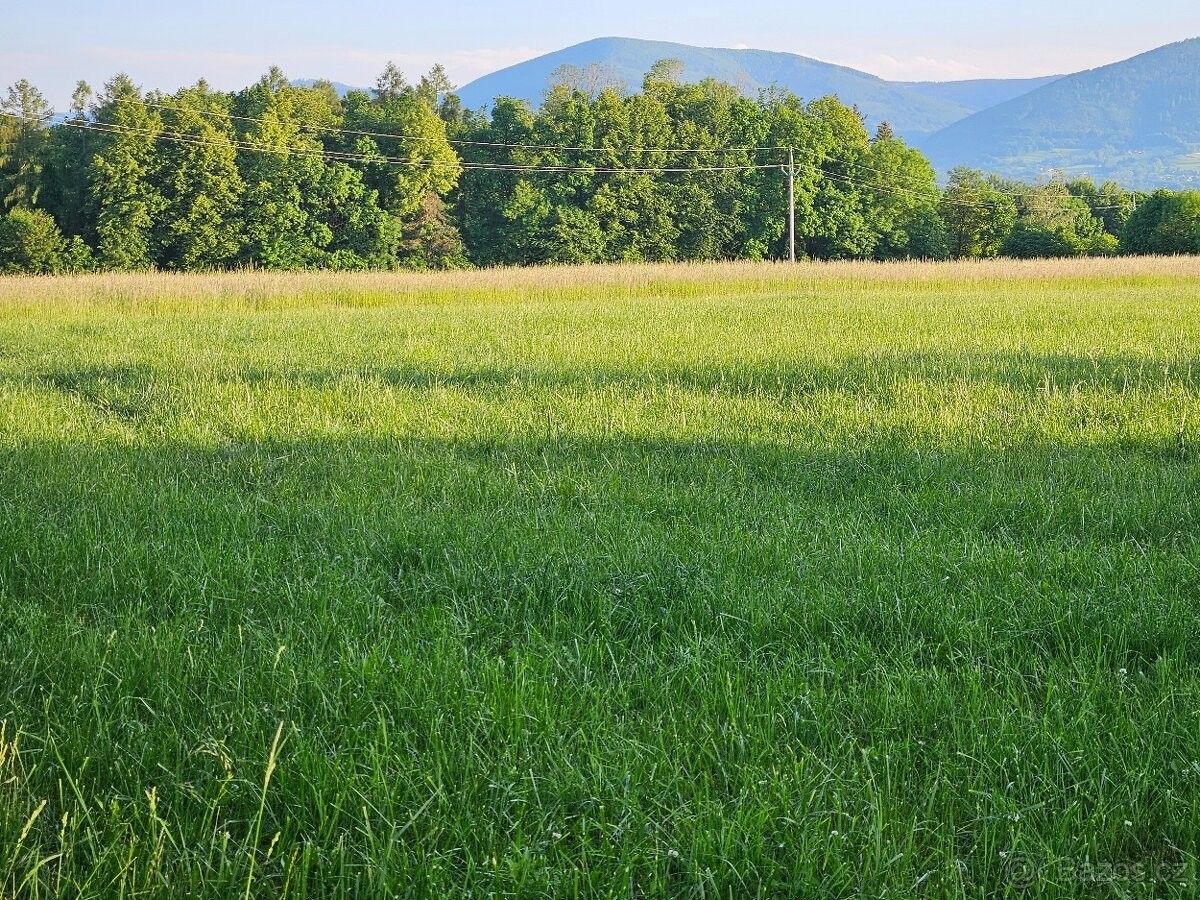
pixel 1135 120
pixel 284 176
pixel 978 94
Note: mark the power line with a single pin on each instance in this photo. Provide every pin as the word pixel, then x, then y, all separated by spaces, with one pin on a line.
pixel 20 118
pixel 1016 194
pixel 340 156
pixel 469 143
pixel 416 162
pixel 903 191
pixel 412 162
pixel 250 147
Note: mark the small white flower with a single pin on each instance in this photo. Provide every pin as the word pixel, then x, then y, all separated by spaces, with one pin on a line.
pixel 674 854
pixel 1128 824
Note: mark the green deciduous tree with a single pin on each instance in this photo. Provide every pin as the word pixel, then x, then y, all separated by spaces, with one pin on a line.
pixel 977 214
pixel 1110 202
pixel 30 243
pixel 1052 221
pixel 842 206
pixel 902 202
pixel 283 169
pixel 1165 223
pixel 200 227
pixel 123 174
pixel 928 236
pixel 354 231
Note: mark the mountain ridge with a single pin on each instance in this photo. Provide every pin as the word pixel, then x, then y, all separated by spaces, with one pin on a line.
pixel 1133 120
pixel 913 108
pixel 981 93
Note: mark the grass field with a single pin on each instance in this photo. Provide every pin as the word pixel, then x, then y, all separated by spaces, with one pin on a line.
pixel 724 581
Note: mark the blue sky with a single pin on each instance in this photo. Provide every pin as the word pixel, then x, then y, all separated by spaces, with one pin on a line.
pixel 231 42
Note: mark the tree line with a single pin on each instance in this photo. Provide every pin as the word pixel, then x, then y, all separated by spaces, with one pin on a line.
pixel 283 176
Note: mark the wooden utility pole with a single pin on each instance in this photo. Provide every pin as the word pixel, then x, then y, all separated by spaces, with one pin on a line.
pixel 791 173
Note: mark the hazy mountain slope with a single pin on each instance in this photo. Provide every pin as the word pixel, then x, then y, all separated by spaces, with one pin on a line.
pixel 979 93
pixel 911 111
pixel 342 89
pixel 1136 120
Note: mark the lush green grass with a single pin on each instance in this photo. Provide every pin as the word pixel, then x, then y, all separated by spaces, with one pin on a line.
pixel 717 582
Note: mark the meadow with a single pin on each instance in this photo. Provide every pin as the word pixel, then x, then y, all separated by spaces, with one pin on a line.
pixel 843 580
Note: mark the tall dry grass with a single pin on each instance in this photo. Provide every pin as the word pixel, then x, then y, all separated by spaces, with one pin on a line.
pixel 559 282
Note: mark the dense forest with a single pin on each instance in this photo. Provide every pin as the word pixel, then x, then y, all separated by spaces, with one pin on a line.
pixel 280 176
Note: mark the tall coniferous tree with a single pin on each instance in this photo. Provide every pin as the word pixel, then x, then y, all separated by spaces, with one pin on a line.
pixel 66 188
pixel 411 165
pixel 24 131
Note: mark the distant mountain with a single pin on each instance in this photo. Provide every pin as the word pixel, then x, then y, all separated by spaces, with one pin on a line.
pixel 912 109
pixel 980 93
pixel 342 89
pixel 1137 121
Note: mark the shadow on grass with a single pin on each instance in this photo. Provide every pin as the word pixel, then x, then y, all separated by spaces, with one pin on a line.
pixel 1016 371
pixel 682 616
pixel 122 389
pixel 881 543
